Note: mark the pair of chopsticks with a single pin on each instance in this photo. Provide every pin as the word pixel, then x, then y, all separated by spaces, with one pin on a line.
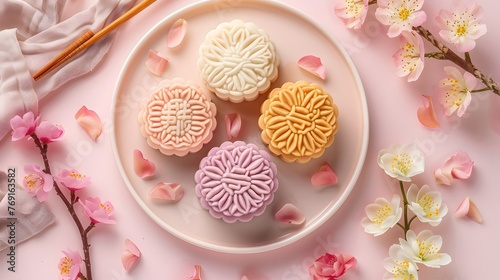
pixel 87 39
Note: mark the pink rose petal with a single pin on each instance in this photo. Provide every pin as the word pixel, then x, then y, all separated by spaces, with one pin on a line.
pixel 167 191
pixel 468 209
pixel 90 122
pixel 233 125
pixel 290 214
pixel 458 166
pixel 155 63
pixel 176 33
pixel 313 65
pixel 130 256
pixel 143 167
pixel 325 176
pixel 426 115
pixel 197 273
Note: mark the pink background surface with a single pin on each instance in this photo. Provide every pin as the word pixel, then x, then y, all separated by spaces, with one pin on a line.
pixel 392 104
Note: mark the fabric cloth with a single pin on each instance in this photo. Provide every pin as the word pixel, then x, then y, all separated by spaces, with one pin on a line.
pixel 22 220
pixel 31 34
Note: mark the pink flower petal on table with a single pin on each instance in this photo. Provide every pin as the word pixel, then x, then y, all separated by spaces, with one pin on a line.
pixel 156 64
pixel 313 65
pixel 458 166
pixel 290 214
pixel 426 115
pixel 167 191
pixel 176 33
pixel 90 122
pixel 143 167
pixel 244 277
pixel 468 209
pixel 233 125
pixel 130 256
pixel 325 176
pixel 197 273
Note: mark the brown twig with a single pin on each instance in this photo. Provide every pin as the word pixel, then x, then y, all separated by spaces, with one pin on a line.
pixel 70 206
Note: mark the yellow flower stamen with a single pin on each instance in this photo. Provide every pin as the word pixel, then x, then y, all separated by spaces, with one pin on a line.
pixel 382 214
pixel 401 270
pixel 430 207
pixel 66 265
pixel 404 14
pixel 402 162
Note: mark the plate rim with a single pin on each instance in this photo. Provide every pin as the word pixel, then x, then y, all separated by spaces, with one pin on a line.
pixel 286 240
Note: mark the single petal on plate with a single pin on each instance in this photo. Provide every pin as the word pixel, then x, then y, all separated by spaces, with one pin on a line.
pixel 244 277
pixel 130 256
pixel 468 209
pixel 197 273
pixel 290 214
pixel 176 33
pixel 90 122
pixel 156 63
pixel 426 114
pixel 167 192
pixel 325 176
pixel 313 65
pixel 233 125
pixel 143 167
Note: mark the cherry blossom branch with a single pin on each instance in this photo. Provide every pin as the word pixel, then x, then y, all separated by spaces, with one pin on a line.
pixel 464 63
pixel 43 147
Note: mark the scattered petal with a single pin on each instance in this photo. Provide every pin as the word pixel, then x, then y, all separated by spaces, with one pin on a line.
pixel 167 192
pixel 244 277
pixel 458 166
pixel 176 33
pixel 313 65
pixel 468 209
pixel 143 167
pixel 233 125
pixel 156 63
pixel 90 122
pixel 197 273
pixel 131 255
pixel 290 214
pixel 325 176
pixel 426 115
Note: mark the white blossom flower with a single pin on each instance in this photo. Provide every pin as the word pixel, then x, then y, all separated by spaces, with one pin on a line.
pixel 455 91
pixel 382 215
pixel 401 161
pixel 409 59
pixel 400 15
pixel 426 204
pixel 399 266
pixel 424 249
pixel 352 12
pixel 461 26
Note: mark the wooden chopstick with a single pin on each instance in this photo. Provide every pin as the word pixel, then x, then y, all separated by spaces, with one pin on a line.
pixel 88 39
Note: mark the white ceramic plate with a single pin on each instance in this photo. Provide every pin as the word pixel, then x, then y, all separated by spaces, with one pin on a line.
pixel 295 35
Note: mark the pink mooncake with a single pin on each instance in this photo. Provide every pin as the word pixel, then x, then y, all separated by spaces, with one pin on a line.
pixel 236 181
pixel 177 118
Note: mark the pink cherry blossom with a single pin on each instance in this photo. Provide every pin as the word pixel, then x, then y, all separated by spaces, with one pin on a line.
pixel 458 166
pixel 331 266
pixel 176 33
pixel 48 132
pixel 400 15
pixel 352 12
pixel 69 266
pixel 409 59
pixel 426 114
pixel 97 211
pixel 90 122
pixel 461 26
pixel 36 182
pixel 313 65
pixel 22 126
pixel 455 91
pixel 72 179
pixel 143 167
pixel 131 255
